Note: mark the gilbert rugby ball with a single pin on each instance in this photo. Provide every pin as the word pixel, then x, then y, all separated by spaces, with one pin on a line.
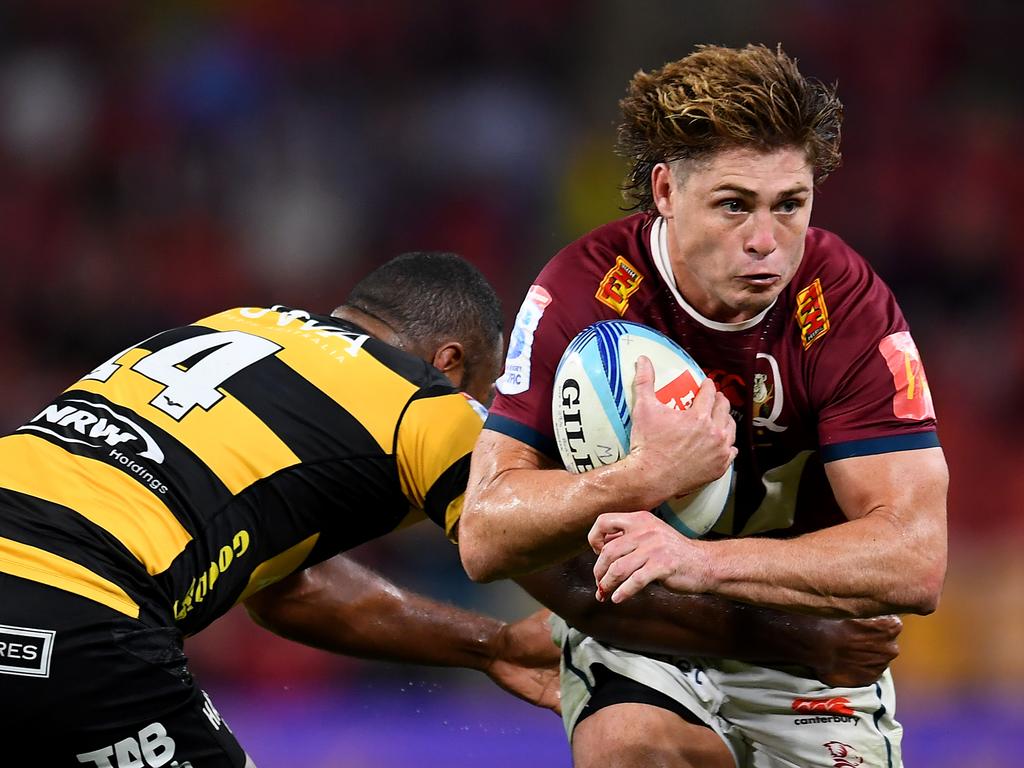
pixel 593 397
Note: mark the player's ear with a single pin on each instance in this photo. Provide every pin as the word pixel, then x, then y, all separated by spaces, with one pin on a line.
pixel 450 359
pixel 662 188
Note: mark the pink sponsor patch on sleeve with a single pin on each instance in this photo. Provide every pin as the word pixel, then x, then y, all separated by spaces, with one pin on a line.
pixel 913 399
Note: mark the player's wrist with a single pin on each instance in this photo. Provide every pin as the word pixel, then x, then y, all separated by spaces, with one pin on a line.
pixel 487 645
pixel 642 485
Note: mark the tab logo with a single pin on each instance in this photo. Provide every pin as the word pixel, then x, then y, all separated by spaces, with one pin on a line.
pixel 811 313
pixel 25 651
pixel 77 421
pixel 620 282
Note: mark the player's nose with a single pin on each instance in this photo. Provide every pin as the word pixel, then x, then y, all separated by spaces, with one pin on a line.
pixel 760 235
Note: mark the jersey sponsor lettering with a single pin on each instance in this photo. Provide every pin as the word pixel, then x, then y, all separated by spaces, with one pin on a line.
pixel 150 748
pixel 811 313
pixel 207 580
pixel 619 283
pixel 913 398
pixel 212 714
pixel 825 720
pixel 516 377
pixel 25 651
pixel 93 424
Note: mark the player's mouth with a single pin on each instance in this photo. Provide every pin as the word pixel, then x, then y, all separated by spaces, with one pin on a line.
pixel 760 279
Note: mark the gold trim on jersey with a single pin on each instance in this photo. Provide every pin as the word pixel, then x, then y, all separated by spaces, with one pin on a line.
pixel 280 565
pixel 360 383
pixel 105 495
pixel 253 452
pixel 44 567
pixel 431 423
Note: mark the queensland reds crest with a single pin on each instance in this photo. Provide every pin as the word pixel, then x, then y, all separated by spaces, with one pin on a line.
pixel 843 755
pixel 767 395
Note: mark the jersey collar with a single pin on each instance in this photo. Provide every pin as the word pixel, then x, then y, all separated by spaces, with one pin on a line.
pixel 659 252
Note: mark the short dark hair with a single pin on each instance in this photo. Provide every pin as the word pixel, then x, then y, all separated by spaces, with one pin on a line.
pixel 428 297
pixel 717 98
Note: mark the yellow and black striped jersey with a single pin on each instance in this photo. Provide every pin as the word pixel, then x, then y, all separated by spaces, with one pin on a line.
pixel 195 468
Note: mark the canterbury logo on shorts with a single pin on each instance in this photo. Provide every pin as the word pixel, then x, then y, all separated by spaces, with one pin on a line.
pixel 25 651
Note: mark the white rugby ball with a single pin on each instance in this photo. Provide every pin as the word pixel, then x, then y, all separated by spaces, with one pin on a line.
pixel 593 398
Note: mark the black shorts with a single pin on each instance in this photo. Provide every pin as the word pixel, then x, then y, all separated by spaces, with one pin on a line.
pixel 81 684
pixel 612 688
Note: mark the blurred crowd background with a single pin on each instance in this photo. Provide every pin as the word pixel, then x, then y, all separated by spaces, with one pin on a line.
pixel 161 161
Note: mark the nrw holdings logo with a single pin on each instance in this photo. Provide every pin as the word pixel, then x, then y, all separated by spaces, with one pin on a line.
pixel 96 425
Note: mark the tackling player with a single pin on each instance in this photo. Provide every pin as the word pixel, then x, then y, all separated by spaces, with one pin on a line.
pixel 838 505
pixel 230 461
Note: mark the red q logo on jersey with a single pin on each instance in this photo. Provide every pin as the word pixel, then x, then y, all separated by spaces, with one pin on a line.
pixel 679 392
pixel 913 399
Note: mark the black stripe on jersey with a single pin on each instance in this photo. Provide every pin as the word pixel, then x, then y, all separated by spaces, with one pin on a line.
pixel 405 364
pixel 876 445
pixel 63 532
pixel 173 336
pixel 447 487
pixel 303 417
pixel 453 480
pixel 524 434
pixel 181 480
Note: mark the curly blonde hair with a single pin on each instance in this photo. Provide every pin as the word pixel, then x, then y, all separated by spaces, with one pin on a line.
pixel 717 98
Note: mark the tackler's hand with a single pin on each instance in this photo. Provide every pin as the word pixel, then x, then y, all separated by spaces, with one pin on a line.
pixel 525 661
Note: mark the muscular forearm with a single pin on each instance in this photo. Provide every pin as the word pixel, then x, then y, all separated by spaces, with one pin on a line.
pixel 889 557
pixel 865 567
pixel 342 607
pixel 508 527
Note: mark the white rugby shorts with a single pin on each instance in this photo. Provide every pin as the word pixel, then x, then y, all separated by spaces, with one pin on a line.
pixel 767 717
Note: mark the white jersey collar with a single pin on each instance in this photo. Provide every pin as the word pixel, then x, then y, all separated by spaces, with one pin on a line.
pixel 659 251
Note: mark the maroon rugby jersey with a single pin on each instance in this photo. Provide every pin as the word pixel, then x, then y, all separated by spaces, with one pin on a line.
pixel 829 371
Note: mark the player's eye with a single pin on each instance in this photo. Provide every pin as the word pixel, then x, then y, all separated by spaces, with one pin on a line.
pixel 732 205
pixel 790 206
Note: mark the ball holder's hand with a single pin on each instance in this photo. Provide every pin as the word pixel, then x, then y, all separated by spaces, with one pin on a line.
pixel 637 548
pixel 676 452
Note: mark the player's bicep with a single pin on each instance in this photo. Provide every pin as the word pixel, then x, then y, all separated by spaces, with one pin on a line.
pixel 497 453
pixel 908 484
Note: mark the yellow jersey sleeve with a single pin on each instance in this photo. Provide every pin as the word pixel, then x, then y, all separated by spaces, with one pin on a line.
pixel 433 446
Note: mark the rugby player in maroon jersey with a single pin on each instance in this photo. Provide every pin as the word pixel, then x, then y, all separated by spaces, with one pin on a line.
pixel 838 506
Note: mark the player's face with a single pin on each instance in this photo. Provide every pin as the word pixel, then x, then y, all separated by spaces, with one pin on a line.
pixel 736 225
pixel 484 370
